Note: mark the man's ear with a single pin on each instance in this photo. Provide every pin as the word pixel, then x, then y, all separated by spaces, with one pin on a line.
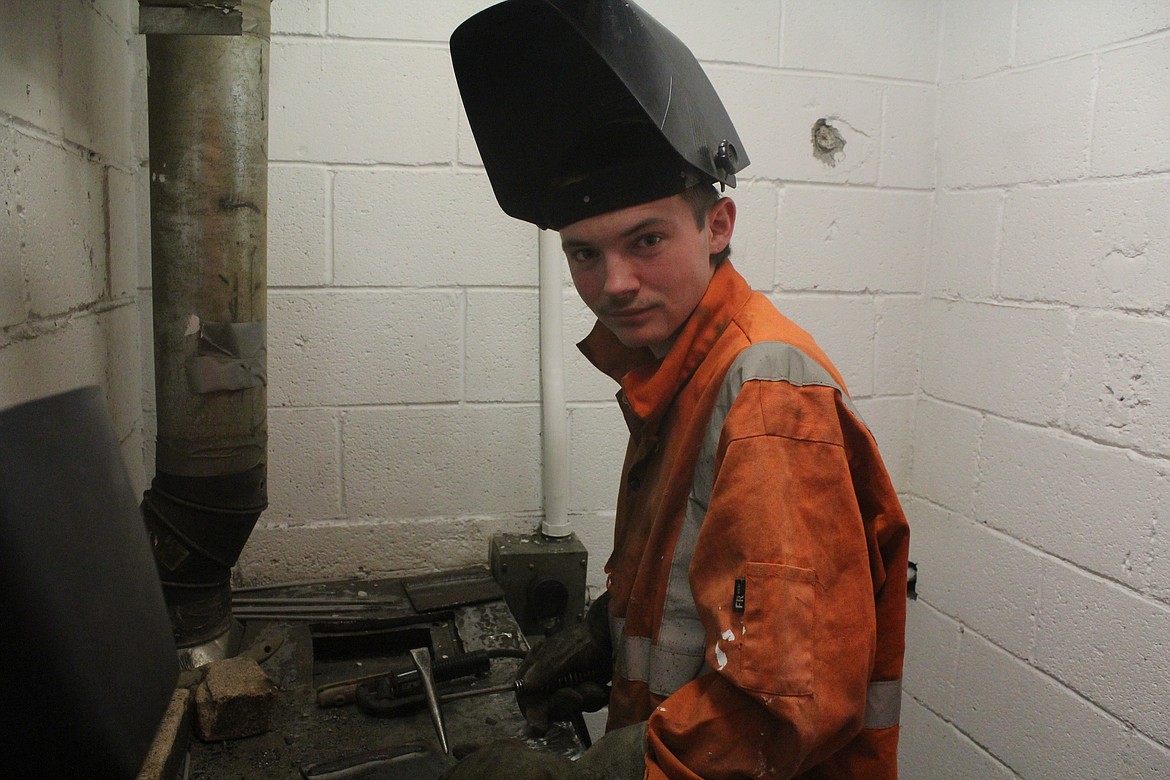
pixel 720 225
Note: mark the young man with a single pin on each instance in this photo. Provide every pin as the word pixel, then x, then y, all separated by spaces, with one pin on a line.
pixel 754 614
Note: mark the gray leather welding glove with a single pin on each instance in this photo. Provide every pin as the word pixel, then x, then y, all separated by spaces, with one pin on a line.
pixel 568 673
pixel 511 759
pixel 619 755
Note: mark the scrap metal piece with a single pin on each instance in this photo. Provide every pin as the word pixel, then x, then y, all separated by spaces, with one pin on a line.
pixel 490 626
pixel 266 644
pixel 359 764
pixel 449 589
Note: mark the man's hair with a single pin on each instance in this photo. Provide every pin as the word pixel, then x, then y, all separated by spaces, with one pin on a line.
pixel 701 198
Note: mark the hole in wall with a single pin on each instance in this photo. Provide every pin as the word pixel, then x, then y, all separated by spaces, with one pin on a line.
pixel 827 142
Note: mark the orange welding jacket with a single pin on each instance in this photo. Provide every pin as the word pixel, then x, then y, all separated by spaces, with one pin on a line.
pixel 758 577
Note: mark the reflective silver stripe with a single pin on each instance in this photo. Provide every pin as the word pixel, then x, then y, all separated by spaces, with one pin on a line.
pixel 678 656
pixel 883 704
pixel 663 670
pixel 774 361
pixel 631 654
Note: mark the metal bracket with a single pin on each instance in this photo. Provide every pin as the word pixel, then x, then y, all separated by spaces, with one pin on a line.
pixel 191 17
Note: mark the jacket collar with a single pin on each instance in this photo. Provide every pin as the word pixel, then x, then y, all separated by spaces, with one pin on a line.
pixel 648 384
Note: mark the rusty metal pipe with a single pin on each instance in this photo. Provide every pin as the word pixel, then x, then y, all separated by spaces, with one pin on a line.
pixel 208 119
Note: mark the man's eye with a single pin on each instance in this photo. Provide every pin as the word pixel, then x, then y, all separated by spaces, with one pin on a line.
pixel 583 255
pixel 649 240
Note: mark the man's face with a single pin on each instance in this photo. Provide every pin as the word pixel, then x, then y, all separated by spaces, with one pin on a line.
pixel 643 269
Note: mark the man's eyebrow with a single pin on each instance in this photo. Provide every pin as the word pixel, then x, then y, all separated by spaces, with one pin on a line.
pixel 648 222
pixel 576 243
pixel 573 243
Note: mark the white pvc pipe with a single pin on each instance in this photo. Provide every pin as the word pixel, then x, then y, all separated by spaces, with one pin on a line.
pixel 554 438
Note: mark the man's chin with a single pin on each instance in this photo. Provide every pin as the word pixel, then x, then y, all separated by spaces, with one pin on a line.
pixel 631 340
pixel 635 340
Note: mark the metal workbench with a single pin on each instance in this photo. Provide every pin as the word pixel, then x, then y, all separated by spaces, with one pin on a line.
pixel 321 648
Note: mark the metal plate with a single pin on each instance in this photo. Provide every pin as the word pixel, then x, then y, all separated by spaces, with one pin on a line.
pixel 456 588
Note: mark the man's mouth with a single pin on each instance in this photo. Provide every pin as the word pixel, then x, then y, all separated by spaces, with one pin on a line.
pixel 628 313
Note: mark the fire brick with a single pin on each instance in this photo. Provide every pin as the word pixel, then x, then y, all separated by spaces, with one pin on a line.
pixel 234 700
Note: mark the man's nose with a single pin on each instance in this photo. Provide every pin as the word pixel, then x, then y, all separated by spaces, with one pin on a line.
pixel 620 276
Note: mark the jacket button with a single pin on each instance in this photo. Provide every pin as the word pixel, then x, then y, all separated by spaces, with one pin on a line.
pixel 635 483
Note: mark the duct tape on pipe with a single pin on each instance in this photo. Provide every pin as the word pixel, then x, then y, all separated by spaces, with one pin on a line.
pixel 229 356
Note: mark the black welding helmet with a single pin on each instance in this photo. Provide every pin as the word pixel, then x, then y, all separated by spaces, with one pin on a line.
pixel 580 107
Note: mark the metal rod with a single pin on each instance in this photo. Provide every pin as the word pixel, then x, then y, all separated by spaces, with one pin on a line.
pixel 506 688
pixel 324 617
pixel 305 609
pixel 282 585
pixel 310 601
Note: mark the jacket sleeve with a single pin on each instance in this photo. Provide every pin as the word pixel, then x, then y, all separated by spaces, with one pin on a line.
pixel 784 577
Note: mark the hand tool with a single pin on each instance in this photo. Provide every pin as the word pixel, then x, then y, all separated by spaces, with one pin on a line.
pixel 422 662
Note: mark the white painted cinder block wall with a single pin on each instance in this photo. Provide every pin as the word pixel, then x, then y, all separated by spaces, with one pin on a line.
pixel 1040 488
pixel 72 139
pixel 987 265
pixel 403 312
